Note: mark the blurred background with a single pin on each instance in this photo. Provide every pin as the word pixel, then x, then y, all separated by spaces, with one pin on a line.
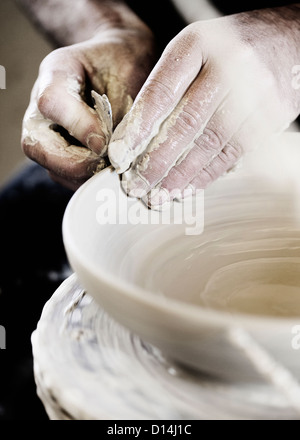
pixel 22 49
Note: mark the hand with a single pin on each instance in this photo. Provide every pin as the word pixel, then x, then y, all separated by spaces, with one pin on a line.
pixel 61 130
pixel 220 88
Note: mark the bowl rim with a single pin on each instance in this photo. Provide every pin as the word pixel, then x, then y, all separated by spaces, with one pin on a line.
pixel 169 305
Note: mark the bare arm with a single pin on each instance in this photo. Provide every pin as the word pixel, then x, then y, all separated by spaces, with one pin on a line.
pixel 68 22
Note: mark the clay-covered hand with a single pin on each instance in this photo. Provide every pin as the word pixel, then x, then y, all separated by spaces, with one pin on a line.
pixel 61 129
pixel 219 89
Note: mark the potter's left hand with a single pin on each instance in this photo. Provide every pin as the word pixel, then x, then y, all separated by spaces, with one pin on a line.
pixel 220 88
pixel 61 130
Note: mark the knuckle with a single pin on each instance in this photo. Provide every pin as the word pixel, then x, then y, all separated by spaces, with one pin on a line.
pixel 46 100
pixel 189 36
pixel 189 40
pixel 248 54
pixel 53 57
pixel 161 91
pixel 267 81
pixel 217 168
pixel 204 178
pixel 79 171
pixel 210 139
pixel 231 152
pixel 208 175
pixel 188 120
pixel 260 75
pixel 178 176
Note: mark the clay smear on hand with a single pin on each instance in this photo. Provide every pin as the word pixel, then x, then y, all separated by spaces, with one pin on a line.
pixel 104 112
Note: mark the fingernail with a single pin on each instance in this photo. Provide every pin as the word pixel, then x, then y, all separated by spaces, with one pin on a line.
pixel 134 185
pixel 187 192
pixel 97 143
pixel 158 197
pixel 118 156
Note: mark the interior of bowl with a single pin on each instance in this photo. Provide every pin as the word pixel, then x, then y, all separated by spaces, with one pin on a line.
pixel 246 259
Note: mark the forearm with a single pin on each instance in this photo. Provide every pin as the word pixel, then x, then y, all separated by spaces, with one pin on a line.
pixel 68 22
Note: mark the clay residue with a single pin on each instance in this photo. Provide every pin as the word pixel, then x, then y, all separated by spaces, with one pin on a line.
pixel 104 112
pixel 75 87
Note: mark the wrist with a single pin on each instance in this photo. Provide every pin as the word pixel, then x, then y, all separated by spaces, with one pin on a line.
pixel 280 25
pixel 274 33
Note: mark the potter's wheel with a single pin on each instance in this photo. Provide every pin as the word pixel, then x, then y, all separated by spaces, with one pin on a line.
pixel 87 366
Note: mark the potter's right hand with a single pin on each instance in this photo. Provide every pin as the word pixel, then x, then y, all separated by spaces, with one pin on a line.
pixel 220 88
pixel 114 62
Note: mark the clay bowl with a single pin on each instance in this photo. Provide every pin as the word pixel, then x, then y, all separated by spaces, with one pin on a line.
pixel 224 300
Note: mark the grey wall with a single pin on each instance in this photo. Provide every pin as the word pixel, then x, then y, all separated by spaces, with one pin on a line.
pixel 22 49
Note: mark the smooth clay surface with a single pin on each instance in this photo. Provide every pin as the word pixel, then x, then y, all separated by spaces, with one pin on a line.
pixel 186 293
pixel 248 262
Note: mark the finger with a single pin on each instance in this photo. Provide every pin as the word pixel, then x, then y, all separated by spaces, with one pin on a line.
pixel 241 122
pixel 222 163
pixel 54 153
pixel 206 147
pixel 162 91
pixel 60 99
pixel 51 150
pixel 254 131
pixel 177 134
pixel 73 185
pixel 225 160
pixel 203 145
pixel 211 111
